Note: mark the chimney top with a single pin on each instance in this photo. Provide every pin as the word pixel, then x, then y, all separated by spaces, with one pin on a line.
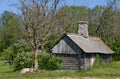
pixel 83 22
pixel 83 28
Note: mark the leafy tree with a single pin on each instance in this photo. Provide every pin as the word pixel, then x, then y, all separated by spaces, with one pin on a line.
pixel 9 31
pixel 8 19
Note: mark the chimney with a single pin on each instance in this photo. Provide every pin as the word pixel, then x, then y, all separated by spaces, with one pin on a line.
pixel 83 28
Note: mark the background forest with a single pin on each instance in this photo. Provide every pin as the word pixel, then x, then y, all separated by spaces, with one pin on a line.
pixel 26 32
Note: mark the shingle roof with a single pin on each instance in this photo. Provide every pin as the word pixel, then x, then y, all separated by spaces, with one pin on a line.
pixel 91 44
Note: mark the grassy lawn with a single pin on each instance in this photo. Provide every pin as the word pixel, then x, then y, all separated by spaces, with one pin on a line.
pixel 103 71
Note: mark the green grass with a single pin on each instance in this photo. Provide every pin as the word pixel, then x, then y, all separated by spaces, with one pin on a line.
pixel 109 71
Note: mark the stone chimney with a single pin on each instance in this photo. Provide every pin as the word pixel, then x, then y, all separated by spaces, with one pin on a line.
pixel 83 28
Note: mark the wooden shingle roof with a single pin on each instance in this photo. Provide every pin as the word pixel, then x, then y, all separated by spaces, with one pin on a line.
pixel 91 44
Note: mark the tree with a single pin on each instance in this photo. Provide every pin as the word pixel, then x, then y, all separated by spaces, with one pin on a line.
pixel 106 18
pixel 8 19
pixel 9 31
pixel 39 22
pixel 106 25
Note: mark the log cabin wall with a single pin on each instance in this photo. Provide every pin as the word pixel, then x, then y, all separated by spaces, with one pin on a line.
pixel 70 62
pixel 71 54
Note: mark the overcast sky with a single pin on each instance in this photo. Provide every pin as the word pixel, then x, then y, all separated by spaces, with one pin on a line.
pixel 7 4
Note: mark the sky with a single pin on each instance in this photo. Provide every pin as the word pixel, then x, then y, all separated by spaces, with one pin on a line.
pixel 7 4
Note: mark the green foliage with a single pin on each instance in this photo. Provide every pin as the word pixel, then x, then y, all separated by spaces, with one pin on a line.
pixel 11 52
pixel 54 63
pixel 23 60
pixel 26 60
pixel 9 19
pixel 9 30
pixel 21 55
pixel 49 63
pixel 116 48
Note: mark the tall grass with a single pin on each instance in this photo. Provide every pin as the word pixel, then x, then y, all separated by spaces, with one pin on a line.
pixel 109 71
pixel 104 70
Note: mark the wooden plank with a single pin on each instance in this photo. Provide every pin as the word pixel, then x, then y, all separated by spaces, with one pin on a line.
pixel 70 62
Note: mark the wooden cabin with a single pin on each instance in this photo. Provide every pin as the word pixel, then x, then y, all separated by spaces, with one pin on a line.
pixel 79 50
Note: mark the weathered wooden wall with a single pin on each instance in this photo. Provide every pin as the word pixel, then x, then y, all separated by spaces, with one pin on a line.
pixel 70 62
pixel 66 46
pixel 70 52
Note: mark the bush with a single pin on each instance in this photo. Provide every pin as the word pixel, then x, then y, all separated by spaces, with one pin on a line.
pixel 11 52
pixel 23 60
pixel 26 60
pixel 49 63
pixel 116 49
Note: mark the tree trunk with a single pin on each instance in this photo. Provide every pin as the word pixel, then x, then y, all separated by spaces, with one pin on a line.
pixel 36 59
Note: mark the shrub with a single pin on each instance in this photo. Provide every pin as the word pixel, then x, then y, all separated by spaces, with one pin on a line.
pixel 11 52
pixel 23 60
pixel 116 49
pixel 54 63
pixel 49 63
pixel 26 60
